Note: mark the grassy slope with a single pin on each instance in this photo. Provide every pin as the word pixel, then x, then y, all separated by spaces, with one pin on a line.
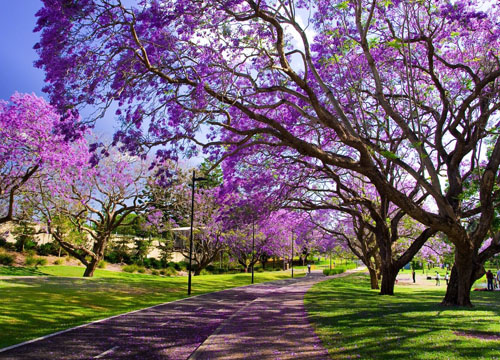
pixel 32 307
pixel 355 322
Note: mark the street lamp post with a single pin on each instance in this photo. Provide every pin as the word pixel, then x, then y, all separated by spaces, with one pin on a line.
pixel 253 246
pixel 292 254
pixel 191 231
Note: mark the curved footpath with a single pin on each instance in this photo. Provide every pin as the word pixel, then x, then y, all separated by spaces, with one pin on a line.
pixel 263 321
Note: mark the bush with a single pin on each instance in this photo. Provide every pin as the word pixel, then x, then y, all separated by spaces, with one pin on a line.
pixel 6 259
pixel 205 272
pixel 48 249
pixel 169 272
pixel 25 244
pixel 152 263
pixel 130 268
pixel 115 257
pixel 141 269
pixel 35 261
pixel 334 271
pixel 3 242
pixel 102 264
pixel 155 272
pixel 58 262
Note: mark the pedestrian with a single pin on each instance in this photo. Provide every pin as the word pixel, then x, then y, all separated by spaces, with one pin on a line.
pixel 498 278
pixel 438 279
pixel 308 268
pixel 447 278
pixel 489 277
pixel 413 275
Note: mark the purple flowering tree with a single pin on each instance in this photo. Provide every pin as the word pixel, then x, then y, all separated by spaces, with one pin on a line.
pixel 82 205
pixel 259 73
pixel 29 143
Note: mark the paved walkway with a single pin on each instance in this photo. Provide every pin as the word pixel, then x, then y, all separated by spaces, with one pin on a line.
pixel 264 321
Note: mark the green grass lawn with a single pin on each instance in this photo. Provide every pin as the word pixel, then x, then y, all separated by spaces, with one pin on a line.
pixel 33 307
pixel 354 322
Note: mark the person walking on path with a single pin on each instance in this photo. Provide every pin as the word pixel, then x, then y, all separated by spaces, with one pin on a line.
pixel 438 279
pixel 489 277
pixel 498 278
pixel 413 275
pixel 308 268
pixel 447 278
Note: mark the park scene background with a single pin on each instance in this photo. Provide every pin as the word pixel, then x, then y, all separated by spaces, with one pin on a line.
pixel 155 150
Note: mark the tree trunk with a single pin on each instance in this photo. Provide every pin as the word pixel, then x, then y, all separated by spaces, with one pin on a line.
pixel 463 274
pixel 373 278
pixel 388 280
pixel 92 265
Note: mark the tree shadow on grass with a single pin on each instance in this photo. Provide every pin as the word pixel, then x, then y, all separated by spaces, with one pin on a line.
pixel 354 321
pixel 20 271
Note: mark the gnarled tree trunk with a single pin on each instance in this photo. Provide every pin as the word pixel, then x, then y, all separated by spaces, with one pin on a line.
pixel 389 274
pixel 91 266
pixel 464 273
pixel 373 278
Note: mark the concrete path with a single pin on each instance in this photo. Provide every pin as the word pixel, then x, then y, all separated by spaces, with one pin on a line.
pixel 264 321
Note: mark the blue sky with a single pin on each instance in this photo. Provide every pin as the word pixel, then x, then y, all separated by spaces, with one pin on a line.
pixel 17 20
pixel 17 72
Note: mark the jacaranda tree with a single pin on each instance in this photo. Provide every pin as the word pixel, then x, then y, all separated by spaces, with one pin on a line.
pixel 30 141
pixel 83 205
pixel 318 78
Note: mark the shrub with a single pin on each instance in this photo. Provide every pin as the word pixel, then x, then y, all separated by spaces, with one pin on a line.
pixel 141 269
pixel 48 249
pixel 334 271
pixel 24 243
pixel 3 242
pixel 205 272
pixel 169 272
pixel 58 262
pixel 35 261
pixel 130 268
pixel 6 259
pixel 116 256
pixel 102 264
pixel 152 263
pixel 155 272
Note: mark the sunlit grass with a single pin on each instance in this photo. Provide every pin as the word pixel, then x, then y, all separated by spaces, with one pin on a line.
pixel 32 307
pixel 353 321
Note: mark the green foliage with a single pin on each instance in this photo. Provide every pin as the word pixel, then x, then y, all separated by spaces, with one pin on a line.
pixel 130 268
pixel 142 247
pixel 102 264
pixel 35 261
pixel 152 263
pixel 389 155
pixel 334 271
pixel 48 249
pixel 118 252
pixel 133 225
pixel 214 177
pixel 134 268
pixel 24 235
pixel 58 262
pixel 6 259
